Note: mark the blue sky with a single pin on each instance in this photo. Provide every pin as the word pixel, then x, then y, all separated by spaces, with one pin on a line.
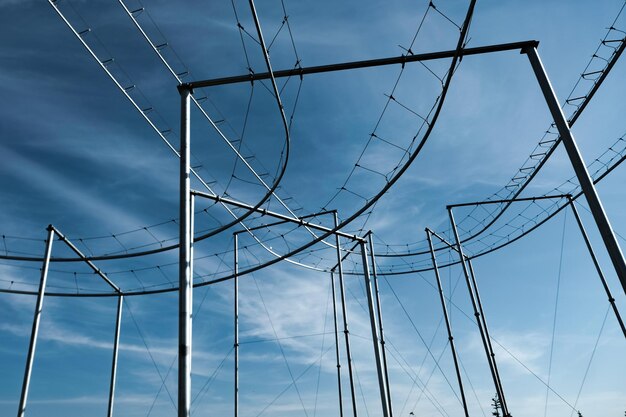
pixel 76 154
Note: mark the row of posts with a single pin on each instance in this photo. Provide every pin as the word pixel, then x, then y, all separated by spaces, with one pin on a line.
pixel 374 308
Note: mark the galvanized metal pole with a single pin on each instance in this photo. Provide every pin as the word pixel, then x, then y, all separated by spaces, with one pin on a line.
pixel 597 265
pixel 344 312
pixel 586 183
pixel 192 219
pixel 374 326
pixel 116 346
pixel 236 302
pixel 505 407
pixel 339 390
pixel 184 271
pixel 477 314
pixel 35 329
pixel 444 307
pixel 380 322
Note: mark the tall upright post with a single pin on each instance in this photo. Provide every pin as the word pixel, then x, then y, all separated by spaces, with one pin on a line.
pixel 444 307
pixel 597 266
pixel 336 330
pixel 584 179
pixel 184 271
pixel 116 347
pixel 192 219
pixel 477 314
pixel 236 302
pixel 379 310
pixel 344 312
pixel 373 324
pixel 489 345
pixel 36 319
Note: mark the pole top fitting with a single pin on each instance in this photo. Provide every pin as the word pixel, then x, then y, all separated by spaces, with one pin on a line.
pixel 531 45
pixel 185 87
pixel 50 228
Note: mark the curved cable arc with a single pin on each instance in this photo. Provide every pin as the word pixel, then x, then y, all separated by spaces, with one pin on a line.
pixel 372 201
pixel 204 113
pixel 617 52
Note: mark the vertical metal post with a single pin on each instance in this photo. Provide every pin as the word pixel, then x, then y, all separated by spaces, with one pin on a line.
pixel 344 312
pixel 442 298
pixel 586 183
pixel 505 407
pixel 184 271
pixel 339 390
pixel 380 322
pixel 192 219
pixel 370 303
pixel 116 346
pixel 477 314
pixel 35 329
pixel 597 265
pixel 236 302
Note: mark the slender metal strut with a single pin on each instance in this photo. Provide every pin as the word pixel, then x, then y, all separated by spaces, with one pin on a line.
pixel 373 324
pixel 344 312
pixel 116 348
pixel 35 329
pixel 480 322
pixel 605 285
pixel 236 302
pixel 444 307
pixel 379 311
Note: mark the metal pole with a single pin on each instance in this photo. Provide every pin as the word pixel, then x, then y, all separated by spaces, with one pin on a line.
pixel 380 323
pixel 35 329
pixel 447 320
pixel 586 183
pixel 236 302
pixel 403 59
pixel 332 283
pixel 116 346
pixel 477 314
pixel 265 212
pixel 505 407
pixel 192 219
pixel 184 271
pixel 344 312
pixel 370 303
pixel 597 265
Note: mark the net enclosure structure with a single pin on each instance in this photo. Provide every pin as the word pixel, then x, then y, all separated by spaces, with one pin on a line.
pixel 241 191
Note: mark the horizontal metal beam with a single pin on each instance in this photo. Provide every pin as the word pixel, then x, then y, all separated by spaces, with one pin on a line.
pixel 266 212
pixel 279 222
pixel 402 59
